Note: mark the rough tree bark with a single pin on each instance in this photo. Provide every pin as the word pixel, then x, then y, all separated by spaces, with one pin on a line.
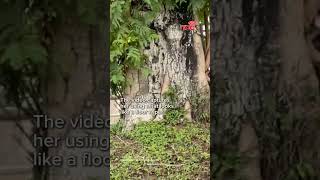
pixel 176 59
pixel 265 87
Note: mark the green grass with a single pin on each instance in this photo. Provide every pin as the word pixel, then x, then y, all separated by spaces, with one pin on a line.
pixel 157 150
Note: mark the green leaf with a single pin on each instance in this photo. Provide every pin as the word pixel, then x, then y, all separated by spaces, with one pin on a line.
pixel 19 53
pixel 147 2
pixel 146 71
pixel 117 78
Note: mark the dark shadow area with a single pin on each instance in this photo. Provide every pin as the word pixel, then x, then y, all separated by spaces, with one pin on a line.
pixel 54 90
pixel 265 90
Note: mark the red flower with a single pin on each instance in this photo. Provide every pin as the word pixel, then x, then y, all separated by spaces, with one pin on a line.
pixel 192 23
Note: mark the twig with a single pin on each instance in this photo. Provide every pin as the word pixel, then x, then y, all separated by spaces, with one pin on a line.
pixel 173 149
pixel 120 139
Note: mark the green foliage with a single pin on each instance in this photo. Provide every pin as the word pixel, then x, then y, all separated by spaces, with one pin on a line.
pixel 19 38
pixel 159 150
pixel 117 128
pixel 172 95
pixel 26 32
pixel 130 34
pixel 176 113
pixel 22 55
pixel 199 7
pixel 200 105
pixel 174 116
pixel 155 146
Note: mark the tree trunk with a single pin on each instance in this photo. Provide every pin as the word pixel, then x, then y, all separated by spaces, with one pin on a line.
pixel 77 86
pixel 207 49
pixel 201 60
pixel 177 60
pixel 263 78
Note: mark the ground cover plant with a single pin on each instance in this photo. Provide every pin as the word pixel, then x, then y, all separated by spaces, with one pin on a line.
pixel 160 150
